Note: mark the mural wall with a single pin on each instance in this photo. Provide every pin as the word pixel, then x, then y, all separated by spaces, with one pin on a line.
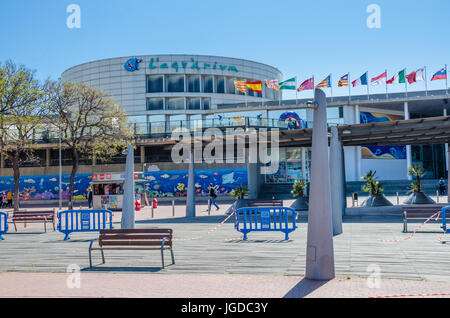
pixel 158 183
pixel 381 152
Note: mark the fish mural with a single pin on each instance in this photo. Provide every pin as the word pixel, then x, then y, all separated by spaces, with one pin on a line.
pixel 158 183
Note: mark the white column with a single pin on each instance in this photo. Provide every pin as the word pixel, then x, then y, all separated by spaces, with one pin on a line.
pixel 408 147
pixel 358 148
pixel 303 163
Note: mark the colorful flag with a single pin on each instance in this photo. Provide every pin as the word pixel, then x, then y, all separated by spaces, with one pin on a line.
pixel 420 75
pixel 381 79
pixel 325 83
pixel 360 81
pixel 398 78
pixel 441 74
pixel 288 84
pixel 411 77
pixel 308 84
pixel 343 81
pixel 255 86
pixel 241 86
pixel 273 84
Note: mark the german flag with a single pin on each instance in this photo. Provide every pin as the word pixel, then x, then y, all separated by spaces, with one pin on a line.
pixel 255 86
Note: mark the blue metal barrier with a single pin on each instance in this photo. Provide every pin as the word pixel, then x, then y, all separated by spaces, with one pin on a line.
pixel 266 219
pixel 3 224
pixel 444 220
pixel 84 221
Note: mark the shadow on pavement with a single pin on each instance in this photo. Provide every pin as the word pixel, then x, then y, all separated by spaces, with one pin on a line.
pixel 304 288
pixel 198 219
pixel 122 269
pixel 259 241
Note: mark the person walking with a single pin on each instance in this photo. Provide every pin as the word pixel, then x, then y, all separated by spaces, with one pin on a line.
pixel 212 196
pixel 90 197
pixel 9 198
pixel 442 186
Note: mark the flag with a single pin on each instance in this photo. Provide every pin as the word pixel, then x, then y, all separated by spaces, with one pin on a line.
pixel 398 78
pixel 241 86
pixel 325 83
pixel 273 84
pixel 360 81
pixel 288 84
pixel 411 77
pixel 343 81
pixel 381 79
pixel 441 74
pixel 420 75
pixel 255 86
pixel 308 84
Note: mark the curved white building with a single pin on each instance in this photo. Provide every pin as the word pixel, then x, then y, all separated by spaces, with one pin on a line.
pixel 173 88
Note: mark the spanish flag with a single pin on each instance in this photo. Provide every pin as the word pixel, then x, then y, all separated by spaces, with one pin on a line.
pixel 255 86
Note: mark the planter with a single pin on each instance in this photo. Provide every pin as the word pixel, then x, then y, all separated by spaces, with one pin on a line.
pixel 239 203
pixel 300 204
pixel 419 198
pixel 376 200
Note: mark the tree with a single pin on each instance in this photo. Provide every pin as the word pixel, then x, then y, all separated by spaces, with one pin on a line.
pixel 372 186
pixel 417 171
pixel 23 109
pixel 90 123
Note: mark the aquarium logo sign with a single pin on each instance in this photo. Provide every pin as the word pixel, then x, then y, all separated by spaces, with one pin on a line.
pixel 215 146
pixel 132 64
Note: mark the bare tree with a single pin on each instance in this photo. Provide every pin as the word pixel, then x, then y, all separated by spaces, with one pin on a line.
pixel 91 124
pixel 23 109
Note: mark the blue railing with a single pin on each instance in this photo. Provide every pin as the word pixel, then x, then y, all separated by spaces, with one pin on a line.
pixel 83 221
pixel 266 219
pixel 3 224
pixel 444 220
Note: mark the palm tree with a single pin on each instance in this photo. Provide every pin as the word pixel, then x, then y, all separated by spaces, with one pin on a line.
pixel 417 196
pixel 375 189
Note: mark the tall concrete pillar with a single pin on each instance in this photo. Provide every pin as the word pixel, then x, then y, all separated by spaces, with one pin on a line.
pixel 448 176
pixel 128 214
pixel 408 147
pixel 319 249
pixel 446 146
pixel 190 203
pixel 142 154
pixel 337 181
pixel 2 160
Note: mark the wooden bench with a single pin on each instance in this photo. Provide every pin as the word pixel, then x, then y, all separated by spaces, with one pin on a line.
pixel 265 203
pixel 140 239
pixel 34 217
pixel 417 212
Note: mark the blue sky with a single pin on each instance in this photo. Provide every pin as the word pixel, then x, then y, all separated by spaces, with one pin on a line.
pixel 299 37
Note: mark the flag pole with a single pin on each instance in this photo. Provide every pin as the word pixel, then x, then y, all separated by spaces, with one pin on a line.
pixel 367 82
pixel 426 80
pixel 296 91
pixel 349 89
pixel 406 83
pixel 385 82
pixel 331 85
pixel 446 80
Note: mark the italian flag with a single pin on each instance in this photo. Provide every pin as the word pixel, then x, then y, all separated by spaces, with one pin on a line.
pixel 289 84
pixel 398 78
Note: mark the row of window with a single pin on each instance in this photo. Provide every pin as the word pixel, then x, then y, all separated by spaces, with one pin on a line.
pixel 178 103
pixel 201 84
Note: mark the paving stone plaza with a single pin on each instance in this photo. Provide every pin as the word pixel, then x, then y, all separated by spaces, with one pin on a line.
pixel 207 253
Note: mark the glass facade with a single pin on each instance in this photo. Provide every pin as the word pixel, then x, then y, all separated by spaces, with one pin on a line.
pixel 175 103
pixel 175 83
pixel 194 103
pixel 193 84
pixel 208 84
pixel 155 84
pixel 220 85
pixel 155 104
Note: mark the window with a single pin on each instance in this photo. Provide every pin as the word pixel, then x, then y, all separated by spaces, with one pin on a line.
pixel 175 103
pixel 220 85
pixel 194 103
pixel 208 84
pixel 175 84
pixel 206 103
pixel 155 84
pixel 230 86
pixel 155 104
pixel 193 84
